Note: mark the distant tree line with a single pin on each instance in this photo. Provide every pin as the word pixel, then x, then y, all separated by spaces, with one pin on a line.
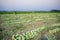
pixel 55 11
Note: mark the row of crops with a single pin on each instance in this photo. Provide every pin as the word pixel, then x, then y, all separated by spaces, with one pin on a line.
pixel 33 33
pixel 27 35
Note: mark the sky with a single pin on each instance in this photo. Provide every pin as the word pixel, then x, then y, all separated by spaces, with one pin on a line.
pixel 29 5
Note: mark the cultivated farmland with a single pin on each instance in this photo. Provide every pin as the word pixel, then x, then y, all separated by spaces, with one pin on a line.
pixel 13 23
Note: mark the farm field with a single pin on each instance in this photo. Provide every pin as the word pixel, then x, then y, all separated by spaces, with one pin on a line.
pixel 13 23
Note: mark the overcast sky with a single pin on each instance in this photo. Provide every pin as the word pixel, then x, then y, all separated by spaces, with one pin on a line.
pixel 29 5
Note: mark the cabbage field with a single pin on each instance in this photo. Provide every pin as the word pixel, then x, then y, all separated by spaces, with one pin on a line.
pixel 29 26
